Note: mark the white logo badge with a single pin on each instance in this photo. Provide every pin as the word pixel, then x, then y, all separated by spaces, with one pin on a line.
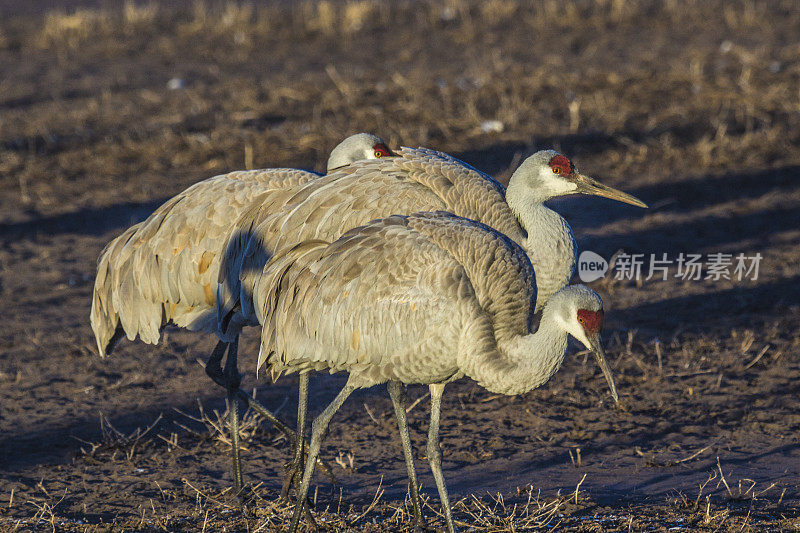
pixel 591 266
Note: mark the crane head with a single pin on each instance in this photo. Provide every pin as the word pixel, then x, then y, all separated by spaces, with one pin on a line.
pixel 356 148
pixel 591 322
pixel 549 174
pixel 581 314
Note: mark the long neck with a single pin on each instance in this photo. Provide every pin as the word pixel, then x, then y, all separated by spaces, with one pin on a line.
pixel 521 364
pixel 549 244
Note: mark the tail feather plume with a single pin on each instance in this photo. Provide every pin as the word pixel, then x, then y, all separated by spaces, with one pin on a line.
pixel 276 278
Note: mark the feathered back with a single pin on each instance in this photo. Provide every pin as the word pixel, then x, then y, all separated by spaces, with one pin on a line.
pixel 467 191
pixel 235 259
pixel 351 304
pixel 416 180
pixel 463 190
pixel 500 271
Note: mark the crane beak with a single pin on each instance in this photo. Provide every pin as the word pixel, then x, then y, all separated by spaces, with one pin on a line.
pixel 600 355
pixel 587 185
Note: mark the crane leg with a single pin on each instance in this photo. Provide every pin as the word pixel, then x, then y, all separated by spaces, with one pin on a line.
pixel 295 467
pixel 215 372
pixel 233 379
pixel 319 428
pixel 214 364
pixel 259 408
pixel 397 392
pixel 435 454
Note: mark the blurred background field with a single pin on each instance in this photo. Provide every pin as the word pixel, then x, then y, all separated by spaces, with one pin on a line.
pixel 108 108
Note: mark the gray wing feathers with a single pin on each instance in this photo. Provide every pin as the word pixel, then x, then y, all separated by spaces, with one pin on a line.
pixel 365 299
pixel 166 268
pixel 468 192
pixel 498 268
pixel 103 317
pixel 330 206
pixel 417 180
pixel 237 254
pixel 271 285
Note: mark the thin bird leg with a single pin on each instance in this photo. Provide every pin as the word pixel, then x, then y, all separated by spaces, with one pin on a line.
pixel 259 408
pixel 233 380
pixel 214 364
pixel 319 428
pixel 435 453
pixel 286 430
pixel 295 467
pixel 397 392
pixel 214 371
pixel 224 379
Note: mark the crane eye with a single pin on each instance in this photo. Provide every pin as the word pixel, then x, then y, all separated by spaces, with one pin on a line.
pixel 378 153
pixel 580 319
pixel 556 170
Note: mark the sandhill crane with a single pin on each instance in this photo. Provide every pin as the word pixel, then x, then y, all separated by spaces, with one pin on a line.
pixel 416 180
pixel 427 298
pixel 165 269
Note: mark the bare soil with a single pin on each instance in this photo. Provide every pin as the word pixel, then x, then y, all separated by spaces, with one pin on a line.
pixel 693 107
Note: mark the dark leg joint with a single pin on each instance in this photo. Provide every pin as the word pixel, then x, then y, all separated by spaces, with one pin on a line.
pixel 214 365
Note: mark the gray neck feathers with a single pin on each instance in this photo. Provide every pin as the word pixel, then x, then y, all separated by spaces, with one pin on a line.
pixel 519 364
pixel 550 244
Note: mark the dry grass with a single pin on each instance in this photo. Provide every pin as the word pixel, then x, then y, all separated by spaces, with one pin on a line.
pixel 214 509
pixel 114 440
pixel 71 30
pixel 525 510
pixel 215 426
pixel 733 101
pixel 337 18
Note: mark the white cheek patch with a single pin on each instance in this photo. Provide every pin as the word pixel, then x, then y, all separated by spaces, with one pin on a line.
pixel 558 186
pixel 575 329
pixel 581 336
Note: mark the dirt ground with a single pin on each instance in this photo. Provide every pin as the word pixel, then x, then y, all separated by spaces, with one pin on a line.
pixel 107 109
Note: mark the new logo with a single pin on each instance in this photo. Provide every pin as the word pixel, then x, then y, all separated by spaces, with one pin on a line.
pixel 591 266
